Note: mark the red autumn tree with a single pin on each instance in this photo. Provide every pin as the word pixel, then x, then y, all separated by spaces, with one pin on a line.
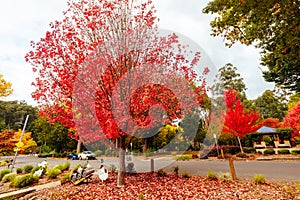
pixel 7 143
pixel 105 72
pixel 292 120
pixel 271 122
pixel 238 120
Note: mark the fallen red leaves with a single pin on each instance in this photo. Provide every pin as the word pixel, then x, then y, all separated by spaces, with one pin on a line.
pixel 150 186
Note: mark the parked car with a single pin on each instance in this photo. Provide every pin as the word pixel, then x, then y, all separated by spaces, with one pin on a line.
pixel 86 155
pixel 72 156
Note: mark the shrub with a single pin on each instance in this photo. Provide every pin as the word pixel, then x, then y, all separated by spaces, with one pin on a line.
pixel 176 169
pixel 8 177
pixel 27 169
pixel 3 172
pixel 212 176
pixel 112 167
pixel 161 173
pixel 269 152
pixel 45 155
pixel 34 169
pixel 19 170
pixel 241 155
pixel 53 173
pixel 98 153
pixel 295 152
pixel 185 175
pixel 76 168
pixel 224 176
pixel 259 179
pixel 141 196
pixel 24 180
pixel 65 178
pixel 184 157
pixel 63 167
pixel 249 150
pixel 283 151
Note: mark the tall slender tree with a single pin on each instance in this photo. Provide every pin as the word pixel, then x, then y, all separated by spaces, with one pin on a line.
pixel 105 71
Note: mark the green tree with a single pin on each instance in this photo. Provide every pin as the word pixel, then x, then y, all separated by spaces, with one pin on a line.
pixel 228 77
pixel 294 99
pixel 270 106
pixel 54 135
pixel 271 25
pixel 12 112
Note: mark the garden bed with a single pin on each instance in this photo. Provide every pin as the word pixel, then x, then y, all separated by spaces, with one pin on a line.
pixel 171 186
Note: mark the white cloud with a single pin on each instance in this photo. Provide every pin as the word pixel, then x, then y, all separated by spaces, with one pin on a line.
pixel 23 21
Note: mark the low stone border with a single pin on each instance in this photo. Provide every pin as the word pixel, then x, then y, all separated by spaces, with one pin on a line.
pixel 22 192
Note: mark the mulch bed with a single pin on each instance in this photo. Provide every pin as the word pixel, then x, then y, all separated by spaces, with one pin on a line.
pixel 151 186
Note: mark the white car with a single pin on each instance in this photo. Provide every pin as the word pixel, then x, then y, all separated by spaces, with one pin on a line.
pixel 86 155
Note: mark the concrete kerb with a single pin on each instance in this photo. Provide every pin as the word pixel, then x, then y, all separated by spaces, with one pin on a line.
pixel 22 192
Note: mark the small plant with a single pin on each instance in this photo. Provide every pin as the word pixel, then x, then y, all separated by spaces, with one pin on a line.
pixel 27 169
pixel 34 169
pixel 283 151
pixel 76 168
pixel 184 157
pixel 65 178
pixel 176 169
pixel 185 175
pixel 241 155
pixel 211 176
pixel 161 173
pixel 112 168
pixel 224 176
pixel 24 180
pixel 295 152
pixel 259 179
pixel 249 150
pixel 59 166
pixel 3 172
pixel 63 167
pixel 8 177
pixel 19 170
pixel 53 173
pixel 98 153
pixel 141 196
pixel 269 152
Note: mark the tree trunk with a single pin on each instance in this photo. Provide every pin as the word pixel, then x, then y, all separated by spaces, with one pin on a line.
pixel 78 149
pixel 145 147
pixel 121 171
pixel 240 144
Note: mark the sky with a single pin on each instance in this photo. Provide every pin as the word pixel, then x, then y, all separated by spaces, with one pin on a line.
pixel 24 21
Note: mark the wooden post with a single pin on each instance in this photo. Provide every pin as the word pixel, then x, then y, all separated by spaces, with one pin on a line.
pixel 152 165
pixel 232 170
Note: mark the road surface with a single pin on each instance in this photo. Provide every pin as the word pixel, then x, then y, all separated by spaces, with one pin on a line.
pixel 286 171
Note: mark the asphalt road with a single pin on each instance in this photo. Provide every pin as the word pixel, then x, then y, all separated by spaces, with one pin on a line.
pixel 286 171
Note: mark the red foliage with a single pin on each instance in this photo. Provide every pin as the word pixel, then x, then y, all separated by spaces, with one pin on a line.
pixel 7 143
pixel 238 120
pixel 271 122
pixel 89 63
pixel 292 119
pixel 151 186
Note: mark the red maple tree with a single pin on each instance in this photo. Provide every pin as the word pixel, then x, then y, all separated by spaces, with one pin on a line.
pixel 292 120
pixel 238 120
pixel 271 122
pixel 105 72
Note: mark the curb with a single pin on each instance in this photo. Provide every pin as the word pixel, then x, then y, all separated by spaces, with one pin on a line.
pixel 22 192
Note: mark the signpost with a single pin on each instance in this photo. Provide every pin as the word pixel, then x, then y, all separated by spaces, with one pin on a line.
pixel 19 145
